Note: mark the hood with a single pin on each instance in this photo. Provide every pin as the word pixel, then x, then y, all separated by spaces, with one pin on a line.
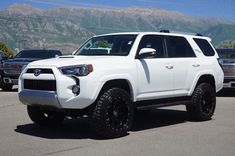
pixel 76 60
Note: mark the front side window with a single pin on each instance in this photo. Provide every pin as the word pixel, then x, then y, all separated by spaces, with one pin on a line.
pixel 155 42
pixel 178 47
pixel 119 45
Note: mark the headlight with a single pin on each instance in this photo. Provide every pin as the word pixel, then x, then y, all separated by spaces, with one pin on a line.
pixel 80 70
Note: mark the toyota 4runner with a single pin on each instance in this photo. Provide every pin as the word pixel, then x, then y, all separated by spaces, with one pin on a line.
pixel 110 76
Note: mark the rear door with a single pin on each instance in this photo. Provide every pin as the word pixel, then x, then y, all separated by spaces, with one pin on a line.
pixel 183 60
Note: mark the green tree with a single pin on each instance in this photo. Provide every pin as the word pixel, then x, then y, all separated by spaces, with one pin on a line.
pixel 228 44
pixel 7 51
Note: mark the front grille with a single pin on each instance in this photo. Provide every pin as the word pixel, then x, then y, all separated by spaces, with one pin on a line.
pixel 43 71
pixel 12 68
pixel 45 85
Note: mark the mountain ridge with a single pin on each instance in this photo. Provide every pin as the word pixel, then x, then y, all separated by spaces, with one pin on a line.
pixel 65 28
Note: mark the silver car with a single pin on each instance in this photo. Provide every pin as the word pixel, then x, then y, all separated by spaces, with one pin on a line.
pixel 227 60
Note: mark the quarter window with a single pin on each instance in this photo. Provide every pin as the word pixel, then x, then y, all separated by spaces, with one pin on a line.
pixel 205 47
pixel 178 47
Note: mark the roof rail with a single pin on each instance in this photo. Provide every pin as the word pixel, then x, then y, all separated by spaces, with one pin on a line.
pixel 165 31
pixel 179 32
pixel 199 34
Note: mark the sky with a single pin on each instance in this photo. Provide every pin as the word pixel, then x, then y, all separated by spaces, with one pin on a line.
pixel 218 9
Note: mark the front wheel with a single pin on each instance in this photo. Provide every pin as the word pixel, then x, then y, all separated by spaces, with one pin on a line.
pixel 45 118
pixel 203 102
pixel 113 113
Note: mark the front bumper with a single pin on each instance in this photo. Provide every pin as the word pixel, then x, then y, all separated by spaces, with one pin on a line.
pixel 30 97
pixel 62 97
pixel 8 80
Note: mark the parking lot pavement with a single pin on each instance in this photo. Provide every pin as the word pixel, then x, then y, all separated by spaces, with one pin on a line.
pixel 164 131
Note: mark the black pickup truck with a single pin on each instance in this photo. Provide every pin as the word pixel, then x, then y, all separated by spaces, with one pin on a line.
pixel 11 68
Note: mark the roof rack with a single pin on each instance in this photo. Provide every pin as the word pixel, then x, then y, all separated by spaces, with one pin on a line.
pixel 179 32
pixel 165 31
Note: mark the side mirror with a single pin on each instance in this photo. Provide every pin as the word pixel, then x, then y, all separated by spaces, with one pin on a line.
pixel 147 52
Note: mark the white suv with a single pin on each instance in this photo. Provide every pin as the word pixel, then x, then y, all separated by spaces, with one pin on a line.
pixel 110 76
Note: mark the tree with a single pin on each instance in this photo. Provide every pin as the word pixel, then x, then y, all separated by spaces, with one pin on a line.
pixel 7 51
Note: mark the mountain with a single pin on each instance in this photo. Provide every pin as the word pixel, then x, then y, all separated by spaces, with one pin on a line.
pixel 65 28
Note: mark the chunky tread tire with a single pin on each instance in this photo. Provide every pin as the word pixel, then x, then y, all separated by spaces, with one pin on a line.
pixel 45 118
pixel 203 103
pixel 112 116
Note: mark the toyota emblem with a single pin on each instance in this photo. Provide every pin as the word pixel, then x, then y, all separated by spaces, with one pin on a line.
pixel 37 72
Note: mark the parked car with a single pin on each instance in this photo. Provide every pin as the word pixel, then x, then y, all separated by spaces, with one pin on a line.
pixel 112 75
pixel 11 68
pixel 2 58
pixel 227 60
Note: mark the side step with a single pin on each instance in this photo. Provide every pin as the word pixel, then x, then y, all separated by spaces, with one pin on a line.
pixel 150 104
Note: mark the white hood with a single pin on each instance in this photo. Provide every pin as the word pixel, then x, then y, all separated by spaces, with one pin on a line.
pixel 76 60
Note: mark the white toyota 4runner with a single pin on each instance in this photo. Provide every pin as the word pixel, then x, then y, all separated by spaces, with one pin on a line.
pixel 110 76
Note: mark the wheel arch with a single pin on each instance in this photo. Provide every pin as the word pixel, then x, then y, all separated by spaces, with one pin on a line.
pixel 208 78
pixel 120 83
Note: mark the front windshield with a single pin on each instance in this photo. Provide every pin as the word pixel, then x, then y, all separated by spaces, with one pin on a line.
pixel 119 45
pixel 226 53
pixel 32 54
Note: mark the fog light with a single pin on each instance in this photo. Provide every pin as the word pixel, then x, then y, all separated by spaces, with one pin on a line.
pixel 76 89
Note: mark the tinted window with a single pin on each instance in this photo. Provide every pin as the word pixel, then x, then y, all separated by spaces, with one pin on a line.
pixel 205 47
pixel 155 42
pixel 178 47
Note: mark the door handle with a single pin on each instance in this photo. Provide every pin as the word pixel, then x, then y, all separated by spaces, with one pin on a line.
pixel 169 67
pixel 196 65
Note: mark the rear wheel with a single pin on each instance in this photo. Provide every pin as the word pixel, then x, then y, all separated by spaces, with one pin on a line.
pixel 45 118
pixel 203 102
pixel 113 114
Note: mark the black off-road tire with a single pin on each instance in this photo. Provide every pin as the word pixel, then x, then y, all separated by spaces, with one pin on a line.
pixel 112 115
pixel 45 118
pixel 203 103
pixel 7 87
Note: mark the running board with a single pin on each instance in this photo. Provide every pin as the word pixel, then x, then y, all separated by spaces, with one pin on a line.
pixel 150 104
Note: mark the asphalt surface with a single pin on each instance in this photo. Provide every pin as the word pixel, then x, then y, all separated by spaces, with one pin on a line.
pixel 162 132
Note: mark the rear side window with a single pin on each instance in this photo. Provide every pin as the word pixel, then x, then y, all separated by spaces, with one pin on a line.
pixel 205 47
pixel 178 47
